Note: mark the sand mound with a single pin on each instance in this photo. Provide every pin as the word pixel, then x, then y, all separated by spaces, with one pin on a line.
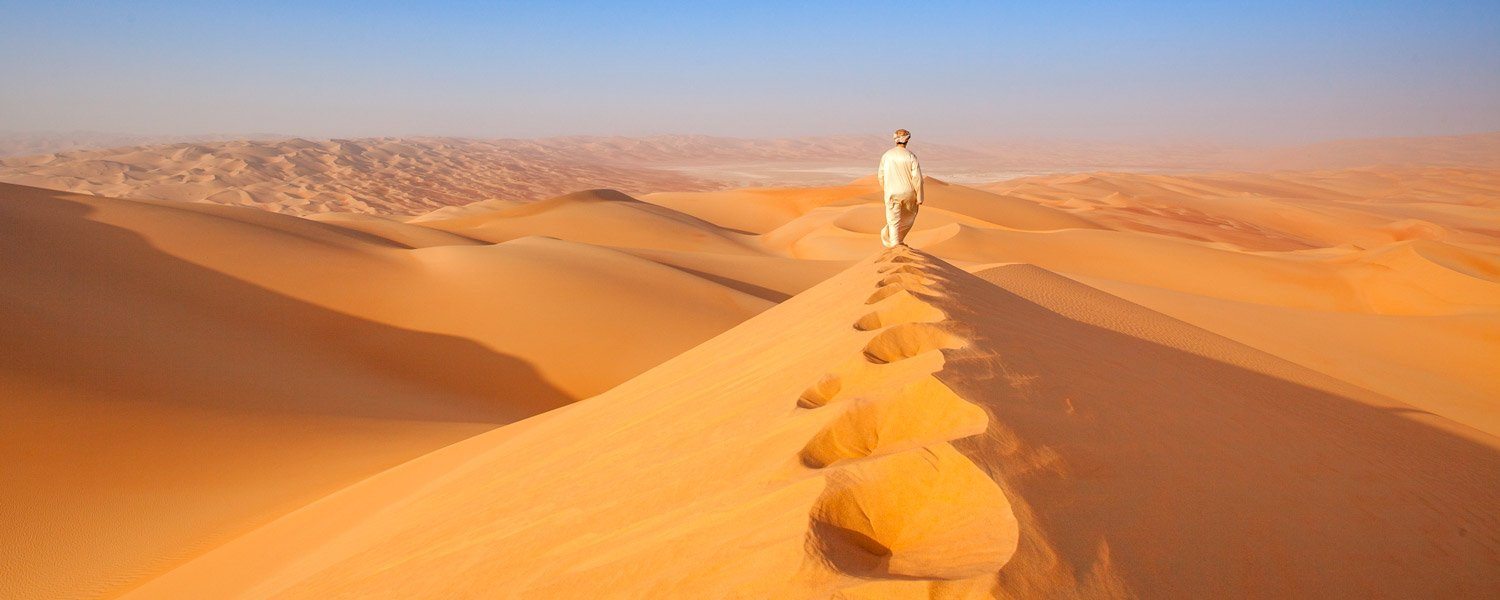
pixel 229 365
pixel 1091 409
pixel 397 232
pixel 513 298
pixel 605 217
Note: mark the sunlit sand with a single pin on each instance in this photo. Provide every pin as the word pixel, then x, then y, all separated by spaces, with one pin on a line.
pixel 1228 383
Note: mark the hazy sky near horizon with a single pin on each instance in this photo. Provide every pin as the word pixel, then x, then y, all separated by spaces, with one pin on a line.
pixel 1251 71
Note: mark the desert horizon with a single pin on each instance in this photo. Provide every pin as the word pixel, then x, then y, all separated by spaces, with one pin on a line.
pixel 410 175
pixel 1149 301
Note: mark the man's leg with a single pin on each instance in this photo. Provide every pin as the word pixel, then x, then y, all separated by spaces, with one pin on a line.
pixel 900 213
pixel 888 234
pixel 908 219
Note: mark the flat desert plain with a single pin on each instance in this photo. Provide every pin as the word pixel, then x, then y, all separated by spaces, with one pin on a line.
pixel 428 368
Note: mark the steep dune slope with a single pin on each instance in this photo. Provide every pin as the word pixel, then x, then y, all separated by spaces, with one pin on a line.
pixel 1386 277
pixel 227 365
pixel 906 429
pixel 523 298
pixel 1439 363
pixel 587 317
pixel 1180 464
pixel 207 404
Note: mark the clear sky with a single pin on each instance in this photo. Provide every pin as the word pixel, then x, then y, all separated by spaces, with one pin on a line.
pixel 1252 71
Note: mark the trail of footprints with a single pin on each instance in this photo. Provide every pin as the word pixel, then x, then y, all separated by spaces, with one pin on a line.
pixel 900 501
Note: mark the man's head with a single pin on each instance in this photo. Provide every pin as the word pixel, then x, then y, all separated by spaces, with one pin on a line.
pixel 901 136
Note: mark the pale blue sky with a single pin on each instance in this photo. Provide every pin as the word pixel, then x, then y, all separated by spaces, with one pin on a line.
pixel 1253 71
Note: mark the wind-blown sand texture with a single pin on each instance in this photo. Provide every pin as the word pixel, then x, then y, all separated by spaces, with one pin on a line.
pixel 408 176
pixel 402 176
pixel 1225 384
pixel 298 176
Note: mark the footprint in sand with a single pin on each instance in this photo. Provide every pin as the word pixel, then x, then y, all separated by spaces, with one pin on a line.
pixel 899 309
pixel 900 342
pixel 922 514
pixel 920 414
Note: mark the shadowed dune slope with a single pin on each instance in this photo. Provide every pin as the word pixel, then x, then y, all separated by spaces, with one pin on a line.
pixel 1173 463
pixel 1440 363
pixel 207 404
pixel 588 317
pixel 228 365
pixel 908 430
pixel 526 297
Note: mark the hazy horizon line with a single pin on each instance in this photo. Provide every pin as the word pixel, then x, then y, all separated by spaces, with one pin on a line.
pixel 935 138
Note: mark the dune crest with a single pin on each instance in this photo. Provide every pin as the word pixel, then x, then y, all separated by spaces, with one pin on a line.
pixel 861 463
pixel 1028 436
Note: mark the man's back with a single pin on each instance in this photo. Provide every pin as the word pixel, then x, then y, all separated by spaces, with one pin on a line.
pixel 900 173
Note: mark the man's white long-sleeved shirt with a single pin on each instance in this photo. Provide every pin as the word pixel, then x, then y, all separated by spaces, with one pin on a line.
pixel 900 174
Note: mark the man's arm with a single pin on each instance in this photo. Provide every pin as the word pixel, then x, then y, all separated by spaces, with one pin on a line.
pixel 880 172
pixel 916 178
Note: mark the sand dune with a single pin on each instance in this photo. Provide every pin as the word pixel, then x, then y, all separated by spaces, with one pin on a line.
pixel 1096 385
pixel 413 176
pixel 598 216
pixel 1284 211
pixel 1306 245
pixel 228 365
pixel 993 440
pixel 404 176
pixel 384 176
pixel 38 143
pixel 1481 150
pixel 1321 268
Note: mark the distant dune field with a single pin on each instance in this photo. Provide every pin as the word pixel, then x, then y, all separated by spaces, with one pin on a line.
pixel 411 176
pixel 560 368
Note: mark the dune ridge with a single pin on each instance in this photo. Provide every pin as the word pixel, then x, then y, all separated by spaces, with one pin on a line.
pixel 1006 416
pixel 875 432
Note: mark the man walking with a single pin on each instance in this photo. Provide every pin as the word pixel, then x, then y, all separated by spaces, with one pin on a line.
pixel 901 181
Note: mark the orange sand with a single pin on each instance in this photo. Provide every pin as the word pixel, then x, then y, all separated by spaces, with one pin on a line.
pixel 1215 385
